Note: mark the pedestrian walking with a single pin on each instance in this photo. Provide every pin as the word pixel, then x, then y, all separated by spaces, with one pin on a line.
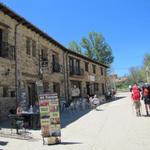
pixel 146 97
pixel 136 98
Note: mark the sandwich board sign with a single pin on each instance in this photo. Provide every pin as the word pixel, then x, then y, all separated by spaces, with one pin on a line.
pixel 50 118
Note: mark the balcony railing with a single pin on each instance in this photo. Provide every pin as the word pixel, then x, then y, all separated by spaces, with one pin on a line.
pixel 56 67
pixel 7 50
pixel 44 62
pixel 76 71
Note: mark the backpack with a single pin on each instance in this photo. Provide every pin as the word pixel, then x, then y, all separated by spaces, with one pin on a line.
pixel 145 92
pixel 135 93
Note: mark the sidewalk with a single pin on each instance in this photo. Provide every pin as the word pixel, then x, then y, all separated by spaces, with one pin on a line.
pixel 114 126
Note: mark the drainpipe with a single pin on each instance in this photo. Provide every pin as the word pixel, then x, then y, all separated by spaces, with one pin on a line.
pixel 67 76
pixel 64 75
pixel 39 59
pixel 16 65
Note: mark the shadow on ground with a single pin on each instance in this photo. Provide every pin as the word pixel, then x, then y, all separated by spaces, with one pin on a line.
pixel 2 143
pixel 146 116
pixel 69 117
pixel 69 143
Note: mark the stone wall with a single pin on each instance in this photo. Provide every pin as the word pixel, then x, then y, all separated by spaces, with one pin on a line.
pixel 6 103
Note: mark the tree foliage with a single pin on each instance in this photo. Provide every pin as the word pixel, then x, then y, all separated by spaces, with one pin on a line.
pixel 147 60
pixel 96 48
pixel 137 75
pixel 74 47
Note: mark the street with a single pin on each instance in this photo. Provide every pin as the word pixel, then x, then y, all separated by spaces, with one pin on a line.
pixel 113 126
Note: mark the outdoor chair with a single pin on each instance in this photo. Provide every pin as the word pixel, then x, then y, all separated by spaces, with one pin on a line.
pixel 16 122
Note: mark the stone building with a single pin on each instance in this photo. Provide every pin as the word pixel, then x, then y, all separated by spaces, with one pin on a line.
pixel 87 75
pixel 29 57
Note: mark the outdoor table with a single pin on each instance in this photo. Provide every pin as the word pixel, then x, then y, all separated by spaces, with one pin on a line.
pixel 31 116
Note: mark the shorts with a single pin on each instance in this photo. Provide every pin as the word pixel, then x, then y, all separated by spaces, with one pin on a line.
pixel 147 100
pixel 137 104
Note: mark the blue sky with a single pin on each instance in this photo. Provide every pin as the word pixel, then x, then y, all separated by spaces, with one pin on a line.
pixel 125 24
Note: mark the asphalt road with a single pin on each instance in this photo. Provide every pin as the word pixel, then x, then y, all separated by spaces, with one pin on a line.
pixel 114 126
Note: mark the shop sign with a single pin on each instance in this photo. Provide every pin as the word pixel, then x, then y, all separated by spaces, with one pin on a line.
pixel 92 78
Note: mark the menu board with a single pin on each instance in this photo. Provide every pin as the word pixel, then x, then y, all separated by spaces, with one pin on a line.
pixel 50 118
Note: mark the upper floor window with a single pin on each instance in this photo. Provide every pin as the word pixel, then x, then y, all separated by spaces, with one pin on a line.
pixel 28 46
pixel 56 67
pixel 77 66
pixel 6 49
pixel 44 57
pixel 94 68
pixel 33 48
pixel 55 58
pixel 74 66
pixel 86 66
pixel 102 71
pixel 71 64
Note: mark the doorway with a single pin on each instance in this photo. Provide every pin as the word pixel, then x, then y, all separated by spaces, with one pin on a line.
pixel 31 93
pixel 88 88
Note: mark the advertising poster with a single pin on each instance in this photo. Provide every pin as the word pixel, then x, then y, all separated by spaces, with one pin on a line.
pixel 50 118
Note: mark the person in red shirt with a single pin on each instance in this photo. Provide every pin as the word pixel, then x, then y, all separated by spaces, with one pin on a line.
pixel 136 98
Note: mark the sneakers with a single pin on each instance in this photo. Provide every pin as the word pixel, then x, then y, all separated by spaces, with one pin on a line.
pixel 138 113
pixel 147 113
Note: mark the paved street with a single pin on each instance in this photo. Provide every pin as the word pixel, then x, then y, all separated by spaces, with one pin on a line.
pixel 113 126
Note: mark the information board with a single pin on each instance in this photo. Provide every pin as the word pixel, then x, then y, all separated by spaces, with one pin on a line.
pixel 50 118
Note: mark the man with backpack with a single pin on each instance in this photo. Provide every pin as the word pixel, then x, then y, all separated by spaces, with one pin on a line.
pixel 136 98
pixel 146 97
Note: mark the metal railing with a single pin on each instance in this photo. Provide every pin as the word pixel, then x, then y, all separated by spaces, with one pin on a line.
pixel 44 63
pixel 56 67
pixel 76 71
pixel 7 50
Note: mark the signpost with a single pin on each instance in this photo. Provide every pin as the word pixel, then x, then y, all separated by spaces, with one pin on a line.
pixel 50 118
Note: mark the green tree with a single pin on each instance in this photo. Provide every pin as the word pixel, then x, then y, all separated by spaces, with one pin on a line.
pixel 96 48
pixel 137 75
pixel 74 47
pixel 147 60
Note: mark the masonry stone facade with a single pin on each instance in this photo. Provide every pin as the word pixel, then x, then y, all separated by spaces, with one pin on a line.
pixel 28 55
